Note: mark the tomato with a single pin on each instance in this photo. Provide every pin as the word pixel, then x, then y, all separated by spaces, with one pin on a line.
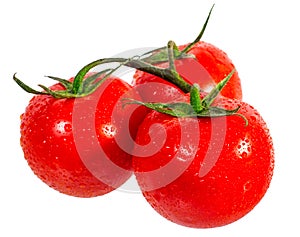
pixel 204 172
pixel 73 144
pixel 209 67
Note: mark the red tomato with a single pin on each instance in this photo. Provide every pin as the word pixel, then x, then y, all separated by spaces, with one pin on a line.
pixel 204 172
pixel 210 67
pixel 72 144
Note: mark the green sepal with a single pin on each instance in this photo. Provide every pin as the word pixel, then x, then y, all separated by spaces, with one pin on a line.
pixel 209 98
pixel 198 38
pixel 217 112
pixel 182 109
pixel 26 87
pixel 179 109
pixel 67 84
pixel 91 83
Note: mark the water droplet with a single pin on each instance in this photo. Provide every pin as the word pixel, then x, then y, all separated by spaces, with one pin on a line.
pixel 247 186
pixel 243 148
pixel 108 130
pixel 63 127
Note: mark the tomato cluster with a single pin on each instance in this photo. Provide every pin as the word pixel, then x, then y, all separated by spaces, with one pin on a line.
pixel 202 157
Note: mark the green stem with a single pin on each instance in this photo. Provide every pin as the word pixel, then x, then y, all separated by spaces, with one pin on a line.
pixel 164 73
pixel 195 99
pixel 171 45
pixel 77 83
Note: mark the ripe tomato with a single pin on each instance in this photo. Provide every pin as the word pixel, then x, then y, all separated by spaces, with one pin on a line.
pixel 210 67
pixel 204 172
pixel 72 144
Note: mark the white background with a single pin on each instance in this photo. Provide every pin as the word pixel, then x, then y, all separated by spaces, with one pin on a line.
pixel 58 37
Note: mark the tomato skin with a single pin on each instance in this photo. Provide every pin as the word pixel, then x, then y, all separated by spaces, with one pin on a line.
pixel 218 65
pixel 228 170
pixel 61 139
pixel 212 65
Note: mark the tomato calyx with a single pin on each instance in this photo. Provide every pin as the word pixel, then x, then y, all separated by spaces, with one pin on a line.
pixel 197 106
pixel 79 87
pixel 160 55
